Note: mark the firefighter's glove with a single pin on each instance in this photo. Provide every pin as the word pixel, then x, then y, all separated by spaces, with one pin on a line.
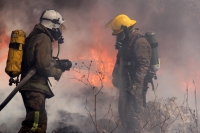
pixel 58 74
pixel 132 89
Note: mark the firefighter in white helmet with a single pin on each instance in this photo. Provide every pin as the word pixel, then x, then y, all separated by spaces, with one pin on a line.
pixel 38 54
pixel 132 63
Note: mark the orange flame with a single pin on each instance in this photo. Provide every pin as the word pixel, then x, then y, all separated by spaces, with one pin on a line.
pixel 4 40
pixel 102 61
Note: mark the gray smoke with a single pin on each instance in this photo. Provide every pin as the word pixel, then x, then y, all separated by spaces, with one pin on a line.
pixel 177 24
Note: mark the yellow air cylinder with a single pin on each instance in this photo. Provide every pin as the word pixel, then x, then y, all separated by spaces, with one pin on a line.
pixel 14 60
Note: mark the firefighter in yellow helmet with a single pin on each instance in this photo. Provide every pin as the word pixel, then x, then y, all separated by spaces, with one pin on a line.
pixel 132 63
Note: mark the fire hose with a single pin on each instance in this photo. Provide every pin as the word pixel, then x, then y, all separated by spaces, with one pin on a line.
pixel 63 64
pixel 17 88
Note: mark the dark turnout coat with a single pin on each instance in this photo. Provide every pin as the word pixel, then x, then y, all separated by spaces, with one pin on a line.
pixel 132 64
pixel 38 54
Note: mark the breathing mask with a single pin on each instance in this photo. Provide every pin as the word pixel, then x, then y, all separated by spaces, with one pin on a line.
pixel 122 38
pixel 57 33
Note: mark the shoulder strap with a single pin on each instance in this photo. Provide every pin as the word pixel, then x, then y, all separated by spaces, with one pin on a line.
pixel 133 40
pixel 131 45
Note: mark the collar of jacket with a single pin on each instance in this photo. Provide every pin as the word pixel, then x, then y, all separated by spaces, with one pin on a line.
pixel 39 28
pixel 133 33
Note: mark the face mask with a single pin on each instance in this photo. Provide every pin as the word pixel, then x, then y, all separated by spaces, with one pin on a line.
pixel 121 40
pixel 56 33
pixel 120 37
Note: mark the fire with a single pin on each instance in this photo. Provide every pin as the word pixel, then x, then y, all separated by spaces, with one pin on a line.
pixel 99 69
pixel 102 61
pixel 4 41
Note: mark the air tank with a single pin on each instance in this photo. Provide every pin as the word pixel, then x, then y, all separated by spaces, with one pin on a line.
pixel 155 60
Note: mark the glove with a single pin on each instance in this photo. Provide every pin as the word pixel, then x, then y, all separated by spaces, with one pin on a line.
pixel 58 74
pixel 132 89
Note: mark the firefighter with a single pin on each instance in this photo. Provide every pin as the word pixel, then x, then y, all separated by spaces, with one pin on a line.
pixel 132 63
pixel 38 54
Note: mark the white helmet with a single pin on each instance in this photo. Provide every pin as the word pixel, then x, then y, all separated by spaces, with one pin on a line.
pixel 51 19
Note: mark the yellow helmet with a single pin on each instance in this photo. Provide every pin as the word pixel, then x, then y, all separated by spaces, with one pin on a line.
pixel 119 21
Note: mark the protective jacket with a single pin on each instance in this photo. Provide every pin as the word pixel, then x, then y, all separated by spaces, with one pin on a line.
pixel 38 54
pixel 133 61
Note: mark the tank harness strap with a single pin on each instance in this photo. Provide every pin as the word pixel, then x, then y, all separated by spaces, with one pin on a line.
pixel 131 61
pixel 15 46
pixel 133 40
pixel 131 44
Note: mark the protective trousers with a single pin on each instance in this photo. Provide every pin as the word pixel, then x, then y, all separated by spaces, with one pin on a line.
pixel 130 109
pixel 36 117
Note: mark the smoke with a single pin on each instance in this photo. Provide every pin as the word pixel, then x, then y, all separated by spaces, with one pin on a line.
pixel 176 23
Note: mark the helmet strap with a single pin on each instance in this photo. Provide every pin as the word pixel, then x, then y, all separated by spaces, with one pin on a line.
pixel 55 21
